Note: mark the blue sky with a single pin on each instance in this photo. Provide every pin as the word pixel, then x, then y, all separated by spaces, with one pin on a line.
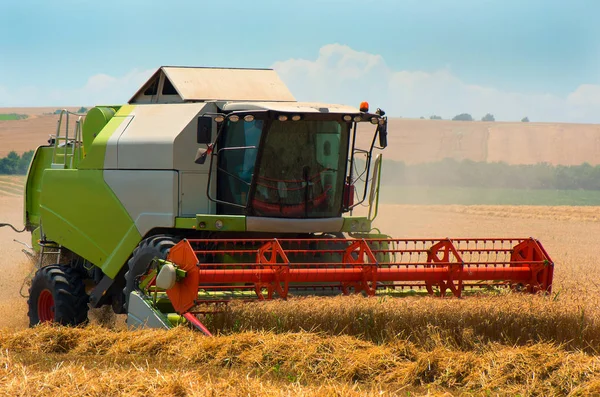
pixel 515 58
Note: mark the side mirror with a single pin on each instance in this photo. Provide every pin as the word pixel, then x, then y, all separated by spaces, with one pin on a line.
pixel 204 132
pixel 202 154
pixel 383 134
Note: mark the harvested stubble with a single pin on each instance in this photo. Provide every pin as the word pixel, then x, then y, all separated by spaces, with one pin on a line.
pixel 96 361
pixel 508 344
pixel 556 213
pixel 515 319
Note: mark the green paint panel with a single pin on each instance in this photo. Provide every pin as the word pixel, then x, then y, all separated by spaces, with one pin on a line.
pixel 94 158
pixel 356 224
pixel 81 212
pixel 231 223
pixel 78 209
pixel 35 238
pixel 33 187
pixel 186 223
pixel 95 120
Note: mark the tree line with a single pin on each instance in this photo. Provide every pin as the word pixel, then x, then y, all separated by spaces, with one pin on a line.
pixel 468 117
pixel 448 172
pixel 467 173
pixel 13 164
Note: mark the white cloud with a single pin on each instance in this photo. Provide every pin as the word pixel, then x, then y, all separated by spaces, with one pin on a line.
pixel 585 95
pixel 98 89
pixel 99 82
pixel 343 75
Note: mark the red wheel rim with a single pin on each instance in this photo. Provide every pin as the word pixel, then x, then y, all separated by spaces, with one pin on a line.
pixel 45 306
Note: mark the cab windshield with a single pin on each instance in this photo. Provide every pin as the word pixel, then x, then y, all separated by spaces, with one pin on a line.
pixel 299 171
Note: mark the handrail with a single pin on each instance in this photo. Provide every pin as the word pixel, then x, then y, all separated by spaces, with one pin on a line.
pixel 71 157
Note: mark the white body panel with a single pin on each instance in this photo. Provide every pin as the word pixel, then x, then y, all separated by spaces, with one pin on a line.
pixel 111 158
pixel 185 145
pixel 150 197
pixel 192 195
pixel 141 315
pixel 148 141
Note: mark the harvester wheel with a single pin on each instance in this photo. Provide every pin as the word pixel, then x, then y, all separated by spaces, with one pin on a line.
pixel 148 249
pixel 57 294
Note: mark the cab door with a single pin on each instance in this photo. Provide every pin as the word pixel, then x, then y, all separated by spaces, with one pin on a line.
pixel 237 151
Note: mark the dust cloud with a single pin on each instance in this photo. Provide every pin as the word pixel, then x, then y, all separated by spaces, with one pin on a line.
pixel 14 265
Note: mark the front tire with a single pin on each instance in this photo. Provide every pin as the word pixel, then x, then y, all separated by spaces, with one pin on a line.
pixel 57 294
pixel 148 249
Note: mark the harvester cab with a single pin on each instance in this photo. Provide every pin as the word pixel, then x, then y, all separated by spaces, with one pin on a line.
pixel 285 161
pixel 215 184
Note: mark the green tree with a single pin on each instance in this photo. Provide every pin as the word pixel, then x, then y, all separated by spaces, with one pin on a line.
pixel 434 117
pixel 525 119
pixel 24 162
pixel 10 164
pixel 488 117
pixel 463 117
pixel 14 164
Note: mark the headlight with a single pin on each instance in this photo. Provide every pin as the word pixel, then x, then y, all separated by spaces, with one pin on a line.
pixel 248 118
pixel 282 117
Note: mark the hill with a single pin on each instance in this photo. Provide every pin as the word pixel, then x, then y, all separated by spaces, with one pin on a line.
pixel 29 133
pixel 422 141
pixel 410 140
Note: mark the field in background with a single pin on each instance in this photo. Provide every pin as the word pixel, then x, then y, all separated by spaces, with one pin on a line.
pixel 11 185
pixel 24 135
pixel 12 116
pixel 423 141
pixel 410 140
pixel 487 196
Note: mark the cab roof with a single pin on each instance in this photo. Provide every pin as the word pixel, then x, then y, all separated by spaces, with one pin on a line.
pixel 291 107
pixel 173 84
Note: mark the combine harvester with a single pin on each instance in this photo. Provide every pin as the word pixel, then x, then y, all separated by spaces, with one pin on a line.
pixel 216 184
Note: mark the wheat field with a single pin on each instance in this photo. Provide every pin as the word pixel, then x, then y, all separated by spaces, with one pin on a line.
pixel 500 344
pixel 96 361
pixel 504 344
